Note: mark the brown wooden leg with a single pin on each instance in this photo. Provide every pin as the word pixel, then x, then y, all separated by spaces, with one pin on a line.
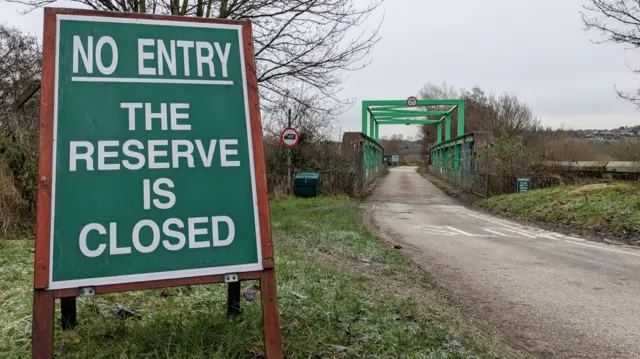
pixel 68 313
pixel 233 299
pixel 270 314
pixel 42 330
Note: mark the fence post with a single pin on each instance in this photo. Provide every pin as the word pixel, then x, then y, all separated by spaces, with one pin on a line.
pixel 289 157
pixel 486 185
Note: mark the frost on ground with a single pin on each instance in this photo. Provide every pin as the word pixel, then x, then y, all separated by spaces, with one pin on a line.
pixel 342 294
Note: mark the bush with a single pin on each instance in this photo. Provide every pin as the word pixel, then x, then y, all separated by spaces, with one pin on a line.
pixel 23 165
pixel 15 216
pixel 18 188
pixel 338 174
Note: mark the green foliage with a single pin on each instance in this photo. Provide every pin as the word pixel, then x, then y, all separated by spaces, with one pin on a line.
pixel 604 207
pixel 328 308
pixel 506 155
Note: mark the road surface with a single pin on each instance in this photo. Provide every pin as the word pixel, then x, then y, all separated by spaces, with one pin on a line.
pixel 558 296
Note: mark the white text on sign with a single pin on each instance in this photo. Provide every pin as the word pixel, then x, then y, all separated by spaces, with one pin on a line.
pixel 173 234
pixel 155 57
pixel 133 154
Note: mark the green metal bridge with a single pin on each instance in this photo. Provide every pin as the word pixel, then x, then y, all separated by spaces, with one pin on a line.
pixel 448 153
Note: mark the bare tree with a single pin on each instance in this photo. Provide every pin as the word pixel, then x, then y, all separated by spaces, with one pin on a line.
pixel 511 117
pixel 392 145
pixel 503 115
pixel 444 91
pixel 296 41
pixel 311 114
pixel 633 151
pixel 20 64
pixel 618 21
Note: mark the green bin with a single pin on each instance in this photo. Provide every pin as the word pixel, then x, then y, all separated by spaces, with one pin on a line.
pixel 307 184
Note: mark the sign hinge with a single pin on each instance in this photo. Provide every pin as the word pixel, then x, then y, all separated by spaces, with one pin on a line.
pixel 86 291
pixel 231 277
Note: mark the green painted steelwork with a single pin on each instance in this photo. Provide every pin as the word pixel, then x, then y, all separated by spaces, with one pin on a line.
pixel 403 103
pixel 447 128
pixel 461 120
pixel 405 122
pixel 397 112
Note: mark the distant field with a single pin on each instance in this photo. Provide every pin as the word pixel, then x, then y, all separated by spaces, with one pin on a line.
pixel 584 149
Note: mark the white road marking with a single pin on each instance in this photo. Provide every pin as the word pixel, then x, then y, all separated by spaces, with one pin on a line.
pixel 498 233
pixel 467 234
pixel 519 231
pixel 435 230
pixel 568 239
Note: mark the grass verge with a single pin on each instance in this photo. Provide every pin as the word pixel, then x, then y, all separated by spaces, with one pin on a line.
pixel 607 207
pixel 342 294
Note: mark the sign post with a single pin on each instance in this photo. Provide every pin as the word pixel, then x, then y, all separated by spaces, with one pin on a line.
pixel 289 138
pixel 151 168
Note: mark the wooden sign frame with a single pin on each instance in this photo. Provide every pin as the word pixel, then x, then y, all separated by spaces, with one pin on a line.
pixel 44 299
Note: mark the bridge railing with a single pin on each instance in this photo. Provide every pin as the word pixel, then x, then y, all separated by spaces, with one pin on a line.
pixel 367 153
pixel 487 185
pixel 458 155
pixel 455 161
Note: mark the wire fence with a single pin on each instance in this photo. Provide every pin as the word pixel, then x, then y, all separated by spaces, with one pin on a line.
pixel 339 182
pixel 487 185
pixel 351 179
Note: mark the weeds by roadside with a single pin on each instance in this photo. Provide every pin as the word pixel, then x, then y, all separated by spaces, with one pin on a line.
pixel 14 210
pixel 606 207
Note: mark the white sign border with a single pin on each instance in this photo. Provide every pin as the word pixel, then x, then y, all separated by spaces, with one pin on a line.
pixel 176 274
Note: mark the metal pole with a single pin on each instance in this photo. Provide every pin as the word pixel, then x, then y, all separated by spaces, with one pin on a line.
pixel 68 314
pixel 289 157
pixel 233 299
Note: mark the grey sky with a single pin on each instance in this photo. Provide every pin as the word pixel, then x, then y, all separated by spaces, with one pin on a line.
pixel 535 49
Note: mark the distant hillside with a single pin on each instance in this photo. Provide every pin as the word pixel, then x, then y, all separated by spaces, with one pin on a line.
pixel 607 135
pixel 396 145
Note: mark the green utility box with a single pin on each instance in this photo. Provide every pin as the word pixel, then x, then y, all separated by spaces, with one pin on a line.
pixel 307 184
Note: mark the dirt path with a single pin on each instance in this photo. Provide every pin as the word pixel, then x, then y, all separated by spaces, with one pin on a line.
pixel 558 296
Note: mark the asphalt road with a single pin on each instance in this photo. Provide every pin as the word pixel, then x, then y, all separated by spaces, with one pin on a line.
pixel 558 296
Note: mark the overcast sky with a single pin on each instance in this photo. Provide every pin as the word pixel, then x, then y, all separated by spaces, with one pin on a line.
pixel 535 49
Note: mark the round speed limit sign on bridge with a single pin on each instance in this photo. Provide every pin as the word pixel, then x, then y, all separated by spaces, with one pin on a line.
pixel 412 101
pixel 289 137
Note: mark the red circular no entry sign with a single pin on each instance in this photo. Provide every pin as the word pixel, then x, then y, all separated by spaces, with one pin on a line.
pixel 412 101
pixel 289 137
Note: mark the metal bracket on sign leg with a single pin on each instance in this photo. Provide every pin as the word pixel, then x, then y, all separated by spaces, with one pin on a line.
pixel 231 278
pixel 87 291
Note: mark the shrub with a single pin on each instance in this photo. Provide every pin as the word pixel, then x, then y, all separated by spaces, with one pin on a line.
pixel 15 216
